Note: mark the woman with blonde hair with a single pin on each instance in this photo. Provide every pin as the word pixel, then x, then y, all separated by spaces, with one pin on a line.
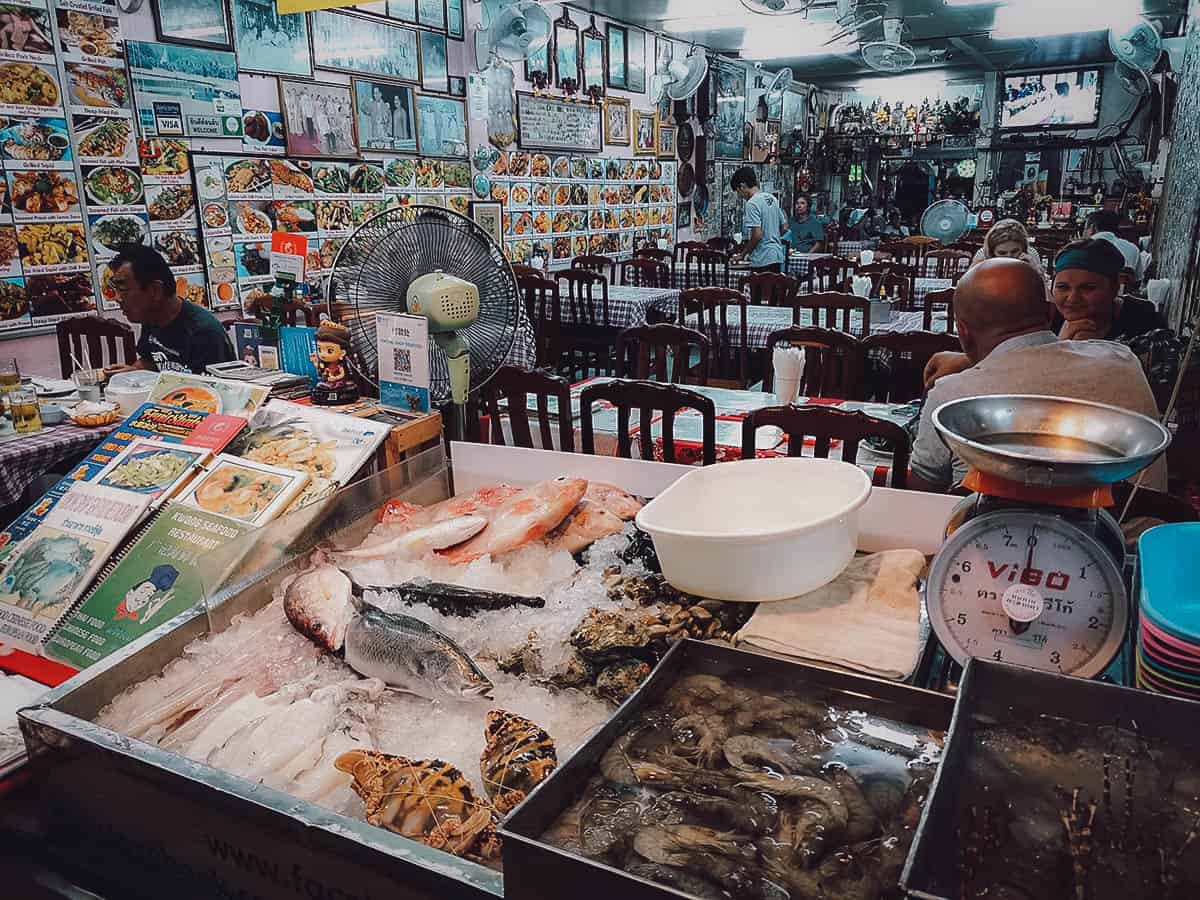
pixel 1008 238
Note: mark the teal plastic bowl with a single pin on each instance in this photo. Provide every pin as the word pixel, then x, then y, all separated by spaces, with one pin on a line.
pixel 1170 592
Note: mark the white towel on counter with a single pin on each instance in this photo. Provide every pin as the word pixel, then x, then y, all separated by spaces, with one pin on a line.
pixel 868 619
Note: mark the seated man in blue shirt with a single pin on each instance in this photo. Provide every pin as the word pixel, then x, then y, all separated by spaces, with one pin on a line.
pixel 808 231
pixel 764 223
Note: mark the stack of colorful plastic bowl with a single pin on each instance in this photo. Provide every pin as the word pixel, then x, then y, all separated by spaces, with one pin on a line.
pixel 1168 651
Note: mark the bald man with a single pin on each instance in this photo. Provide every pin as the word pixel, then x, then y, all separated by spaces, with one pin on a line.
pixel 1003 323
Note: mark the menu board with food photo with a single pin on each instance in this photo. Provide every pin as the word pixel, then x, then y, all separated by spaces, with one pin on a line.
pixel 247 491
pixel 101 139
pixel 60 296
pixel 43 195
pixel 25 27
pixel 36 143
pixel 89 32
pixel 29 89
pixel 113 189
pixel 14 304
pixel 99 89
pixel 111 230
pixel 262 132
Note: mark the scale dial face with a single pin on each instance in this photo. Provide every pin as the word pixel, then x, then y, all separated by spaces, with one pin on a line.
pixel 1029 589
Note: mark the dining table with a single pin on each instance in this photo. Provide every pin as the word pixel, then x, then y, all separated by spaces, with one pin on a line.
pixel 25 457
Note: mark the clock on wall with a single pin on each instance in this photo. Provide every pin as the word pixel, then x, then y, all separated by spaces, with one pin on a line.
pixel 966 168
pixel 129 6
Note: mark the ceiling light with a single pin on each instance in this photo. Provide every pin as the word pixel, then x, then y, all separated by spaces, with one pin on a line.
pixel 974 2
pixel 1034 18
pixel 810 40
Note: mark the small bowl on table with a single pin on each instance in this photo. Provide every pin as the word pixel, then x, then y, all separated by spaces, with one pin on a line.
pixel 95 415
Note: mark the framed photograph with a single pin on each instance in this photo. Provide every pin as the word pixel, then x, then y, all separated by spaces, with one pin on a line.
pixel 458 86
pixel 364 46
pixel 270 43
pixel 441 127
pixel 566 51
pixel 435 69
pixel 645 134
pixel 201 23
pixel 318 119
pixel 683 215
pixel 635 60
pixel 548 123
pixel 489 215
pixel 667 135
pixel 188 91
pixel 664 110
pixel 432 14
pixel 538 62
pixel 593 60
pixel 454 19
pixel 385 116
pixel 731 111
pixel 402 11
pixel 618 73
pixel 616 122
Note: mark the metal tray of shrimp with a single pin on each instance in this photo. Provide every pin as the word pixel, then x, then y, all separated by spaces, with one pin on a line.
pixel 716 813
pixel 1053 787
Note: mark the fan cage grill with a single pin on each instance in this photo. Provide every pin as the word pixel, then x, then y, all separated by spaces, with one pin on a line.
pixel 383 256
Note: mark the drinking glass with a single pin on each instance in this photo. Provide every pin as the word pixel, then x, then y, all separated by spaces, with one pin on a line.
pixel 26 414
pixel 87 383
pixel 10 375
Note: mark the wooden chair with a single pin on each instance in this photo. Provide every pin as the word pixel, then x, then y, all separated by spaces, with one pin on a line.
pixel 826 425
pixel 729 343
pixel 829 274
pixel 876 271
pixel 663 352
pixel 648 397
pixel 588 338
pixel 966 246
pixel 595 262
pixel 707 268
pixel 936 299
pixel 951 264
pixel 924 243
pixel 520 270
pixel 723 244
pixel 895 363
pixel 666 257
pixel 832 361
pixel 544 310
pixel 639 272
pixel 100 337
pixel 771 289
pixel 515 385
pixel 901 284
pixel 833 303
pixel 902 252
pixel 679 260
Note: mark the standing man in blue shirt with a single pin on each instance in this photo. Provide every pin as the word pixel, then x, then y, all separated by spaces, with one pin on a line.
pixel 765 222
pixel 808 231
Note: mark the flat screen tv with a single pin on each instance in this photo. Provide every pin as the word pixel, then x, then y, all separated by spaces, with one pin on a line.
pixel 1068 99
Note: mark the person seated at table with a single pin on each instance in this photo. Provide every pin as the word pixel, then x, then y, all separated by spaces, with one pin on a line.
pixel 1102 225
pixel 1008 239
pixel 176 336
pixel 764 221
pixel 807 231
pixel 1003 325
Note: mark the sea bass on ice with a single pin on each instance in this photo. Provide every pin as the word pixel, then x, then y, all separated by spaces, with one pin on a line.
pixel 319 603
pixel 415 543
pixel 526 516
pixel 411 656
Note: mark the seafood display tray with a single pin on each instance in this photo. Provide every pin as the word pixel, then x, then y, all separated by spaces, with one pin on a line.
pixel 536 870
pixel 147 822
pixel 995 693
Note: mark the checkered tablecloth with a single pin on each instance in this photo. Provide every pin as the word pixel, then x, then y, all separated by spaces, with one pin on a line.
pixel 628 306
pixel 523 354
pixel 761 321
pixel 22 459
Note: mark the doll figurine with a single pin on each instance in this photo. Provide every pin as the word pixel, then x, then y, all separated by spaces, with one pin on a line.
pixel 335 385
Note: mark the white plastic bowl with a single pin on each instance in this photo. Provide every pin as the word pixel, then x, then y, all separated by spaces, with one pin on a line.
pixel 757 530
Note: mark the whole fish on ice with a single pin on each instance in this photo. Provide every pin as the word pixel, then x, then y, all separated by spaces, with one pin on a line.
pixel 415 543
pixel 620 503
pixel 404 652
pixel 527 516
pixel 584 525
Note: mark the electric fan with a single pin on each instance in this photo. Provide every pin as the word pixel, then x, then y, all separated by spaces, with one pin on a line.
pixel 684 76
pixel 431 262
pixel 890 54
pixel 946 220
pixel 513 31
pixel 1136 45
pixel 778 86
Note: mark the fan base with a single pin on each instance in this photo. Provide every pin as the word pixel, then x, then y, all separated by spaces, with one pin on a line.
pixel 338 396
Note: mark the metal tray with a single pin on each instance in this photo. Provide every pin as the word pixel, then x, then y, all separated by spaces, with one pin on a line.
pixel 997 693
pixel 147 822
pixel 538 871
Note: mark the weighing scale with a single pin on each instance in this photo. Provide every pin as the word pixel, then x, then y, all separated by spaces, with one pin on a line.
pixel 1031 572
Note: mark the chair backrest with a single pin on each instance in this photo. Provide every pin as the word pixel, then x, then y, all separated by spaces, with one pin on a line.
pixel 515 385
pixel 724 244
pixel 967 246
pixel 947 263
pixel 729 341
pixel 771 289
pixel 585 296
pixel 640 272
pixel 520 270
pixel 543 309
pixel 924 242
pixel 831 273
pixel 933 300
pixel 648 397
pixel 684 249
pixel 903 356
pixel 832 361
pixel 902 252
pixel 876 272
pixel 595 262
pixel 662 352
pixel 707 268
pixel 100 337
pixel 833 304
pixel 656 254
pixel 826 425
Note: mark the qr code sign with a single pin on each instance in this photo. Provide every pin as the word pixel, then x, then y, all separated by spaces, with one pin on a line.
pixel 402 360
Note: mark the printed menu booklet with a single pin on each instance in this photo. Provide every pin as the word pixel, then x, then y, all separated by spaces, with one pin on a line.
pixel 203 393
pixel 169 569
pixel 151 420
pixel 61 557
pixel 154 468
pixel 247 491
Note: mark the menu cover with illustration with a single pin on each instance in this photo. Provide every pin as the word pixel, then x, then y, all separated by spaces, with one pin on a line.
pixel 151 420
pixel 166 571
pixel 62 556
pixel 203 393
pixel 250 492
pixel 154 468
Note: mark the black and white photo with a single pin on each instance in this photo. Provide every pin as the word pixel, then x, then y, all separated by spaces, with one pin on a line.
pixel 202 23
pixel 269 42
pixel 363 46
pixel 435 70
pixel 318 119
pixel 385 116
